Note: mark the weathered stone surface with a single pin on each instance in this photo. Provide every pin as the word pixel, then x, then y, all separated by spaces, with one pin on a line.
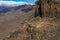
pixel 50 8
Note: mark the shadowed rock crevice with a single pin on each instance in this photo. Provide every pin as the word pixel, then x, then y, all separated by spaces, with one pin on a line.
pixel 47 8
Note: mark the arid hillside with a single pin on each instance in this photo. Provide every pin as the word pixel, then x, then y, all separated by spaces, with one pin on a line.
pixel 33 26
pixel 37 29
pixel 8 27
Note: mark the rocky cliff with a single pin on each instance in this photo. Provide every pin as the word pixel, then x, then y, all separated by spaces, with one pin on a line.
pixel 50 8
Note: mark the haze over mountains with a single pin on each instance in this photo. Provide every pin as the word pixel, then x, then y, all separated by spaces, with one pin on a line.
pixel 11 12
pixel 24 8
pixel 13 3
pixel 8 5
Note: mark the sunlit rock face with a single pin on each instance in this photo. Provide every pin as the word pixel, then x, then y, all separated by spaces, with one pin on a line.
pixel 50 8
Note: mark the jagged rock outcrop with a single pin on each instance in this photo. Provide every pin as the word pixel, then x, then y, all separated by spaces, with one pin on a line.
pixel 49 8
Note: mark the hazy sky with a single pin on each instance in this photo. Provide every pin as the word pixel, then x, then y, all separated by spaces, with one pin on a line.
pixel 27 1
pixel 16 2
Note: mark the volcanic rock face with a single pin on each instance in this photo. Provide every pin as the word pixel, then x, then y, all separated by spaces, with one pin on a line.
pixel 50 8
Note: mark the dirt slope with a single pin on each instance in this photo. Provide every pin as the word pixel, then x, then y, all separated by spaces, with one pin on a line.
pixel 8 27
pixel 37 29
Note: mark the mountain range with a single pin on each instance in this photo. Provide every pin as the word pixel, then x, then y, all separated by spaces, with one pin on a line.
pixel 9 13
pixel 23 8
